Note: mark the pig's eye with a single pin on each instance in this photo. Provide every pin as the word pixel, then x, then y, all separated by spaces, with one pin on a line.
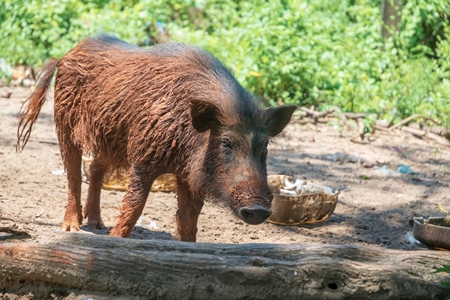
pixel 264 151
pixel 264 148
pixel 225 143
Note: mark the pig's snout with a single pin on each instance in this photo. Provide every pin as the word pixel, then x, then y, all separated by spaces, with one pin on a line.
pixel 255 214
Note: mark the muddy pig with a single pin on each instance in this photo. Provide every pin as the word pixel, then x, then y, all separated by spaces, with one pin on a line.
pixel 172 108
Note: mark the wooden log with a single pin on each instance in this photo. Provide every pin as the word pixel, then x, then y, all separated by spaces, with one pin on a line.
pixel 380 128
pixel 438 139
pixel 341 116
pixel 428 135
pixel 156 269
pixel 438 130
pixel 414 131
pixel 304 121
pixel 355 116
pixel 323 120
pixel 302 114
pixel 315 114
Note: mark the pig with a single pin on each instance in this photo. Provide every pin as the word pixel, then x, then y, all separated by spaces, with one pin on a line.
pixel 170 108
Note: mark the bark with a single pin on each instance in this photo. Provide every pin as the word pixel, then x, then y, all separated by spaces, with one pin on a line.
pixel 157 269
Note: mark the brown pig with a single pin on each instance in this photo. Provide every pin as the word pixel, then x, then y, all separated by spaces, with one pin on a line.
pixel 172 108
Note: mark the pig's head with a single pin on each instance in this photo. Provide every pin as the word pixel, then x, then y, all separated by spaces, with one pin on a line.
pixel 234 156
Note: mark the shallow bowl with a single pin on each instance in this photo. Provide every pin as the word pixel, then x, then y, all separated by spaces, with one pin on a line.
pixel 300 202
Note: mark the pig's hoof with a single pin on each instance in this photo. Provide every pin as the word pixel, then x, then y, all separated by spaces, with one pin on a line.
pixel 95 223
pixel 71 226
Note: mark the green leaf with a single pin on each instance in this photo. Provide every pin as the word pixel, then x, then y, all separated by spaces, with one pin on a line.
pixel 443 269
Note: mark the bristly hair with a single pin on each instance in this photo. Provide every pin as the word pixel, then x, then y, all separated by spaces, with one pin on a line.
pixel 32 106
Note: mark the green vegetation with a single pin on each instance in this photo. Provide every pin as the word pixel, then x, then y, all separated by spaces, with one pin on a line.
pixel 306 52
pixel 445 269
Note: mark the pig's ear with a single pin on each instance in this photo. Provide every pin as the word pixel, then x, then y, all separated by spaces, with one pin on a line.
pixel 277 118
pixel 204 115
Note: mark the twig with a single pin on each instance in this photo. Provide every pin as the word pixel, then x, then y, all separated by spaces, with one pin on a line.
pixel 432 120
pixel 401 123
pixel 357 140
pixel 341 116
pixel 44 141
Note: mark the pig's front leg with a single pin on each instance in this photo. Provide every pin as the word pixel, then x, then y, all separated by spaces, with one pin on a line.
pixel 134 201
pixel 189 208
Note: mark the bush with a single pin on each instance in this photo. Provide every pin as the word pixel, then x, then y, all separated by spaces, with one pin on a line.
pixel 320 53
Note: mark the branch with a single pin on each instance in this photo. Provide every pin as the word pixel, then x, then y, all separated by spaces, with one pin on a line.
pixel 405 121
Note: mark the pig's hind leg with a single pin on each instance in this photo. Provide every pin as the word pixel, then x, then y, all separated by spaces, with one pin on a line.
pixel 71 155
pixel 134 201
pixel 91 210
pixel 189 207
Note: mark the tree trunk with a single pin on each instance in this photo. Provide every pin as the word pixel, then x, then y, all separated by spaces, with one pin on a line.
pixel 391 15
pixel 157 269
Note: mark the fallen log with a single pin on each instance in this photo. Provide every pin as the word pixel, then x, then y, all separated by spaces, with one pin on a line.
pixel 439 139
pixel 380 128
pixel 157 269
pixel 355 116
pixel 441 131
pixel 416 132
pixel 427 135
pixel 341 116
pixel 316 114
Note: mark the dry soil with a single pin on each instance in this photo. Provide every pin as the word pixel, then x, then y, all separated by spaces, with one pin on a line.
pixel 373 209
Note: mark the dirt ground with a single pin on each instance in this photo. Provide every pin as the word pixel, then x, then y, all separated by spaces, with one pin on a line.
pixel 373 209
